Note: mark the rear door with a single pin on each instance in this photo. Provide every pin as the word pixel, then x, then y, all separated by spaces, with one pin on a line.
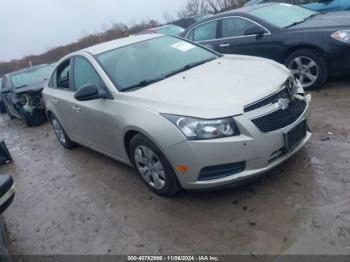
pixel 240 35
pixel 59 97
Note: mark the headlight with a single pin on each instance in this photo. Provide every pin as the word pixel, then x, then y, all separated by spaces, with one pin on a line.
pixel 200 129
pixel 343 36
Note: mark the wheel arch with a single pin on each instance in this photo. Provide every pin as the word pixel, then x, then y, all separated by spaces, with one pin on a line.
pixel 127 138
pixel 296 47
pixel 49 114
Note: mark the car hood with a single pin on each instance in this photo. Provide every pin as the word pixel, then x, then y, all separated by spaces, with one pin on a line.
pixel 337 20
pixel 218 88
pixel 32 88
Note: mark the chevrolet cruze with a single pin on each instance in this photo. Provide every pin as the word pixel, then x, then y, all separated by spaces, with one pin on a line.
pixel 184 116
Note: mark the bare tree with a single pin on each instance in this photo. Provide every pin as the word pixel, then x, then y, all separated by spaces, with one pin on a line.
pixel 168 17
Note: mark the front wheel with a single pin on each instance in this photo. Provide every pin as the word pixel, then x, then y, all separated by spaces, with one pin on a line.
pixel 61 134
pixel 309 67
pixel 153 166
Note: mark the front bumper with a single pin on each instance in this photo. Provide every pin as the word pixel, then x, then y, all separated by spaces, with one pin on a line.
pixel 260 151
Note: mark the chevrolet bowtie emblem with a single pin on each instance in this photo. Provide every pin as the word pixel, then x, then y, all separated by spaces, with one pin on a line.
pixel 282 103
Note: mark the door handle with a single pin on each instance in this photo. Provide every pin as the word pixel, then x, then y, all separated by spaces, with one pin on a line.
pixel 224 45
pixel 55 101
pixel 76 108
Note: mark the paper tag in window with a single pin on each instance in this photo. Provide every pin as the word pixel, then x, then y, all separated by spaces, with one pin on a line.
pixel 183 46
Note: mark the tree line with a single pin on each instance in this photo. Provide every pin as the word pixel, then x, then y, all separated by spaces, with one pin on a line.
pixel 118 30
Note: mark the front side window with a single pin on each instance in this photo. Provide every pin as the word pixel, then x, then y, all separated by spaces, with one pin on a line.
pixel 283 15
pixel 143 63
pixel 235 26
pixel 85 74
pixel 31 76
pixel 205 32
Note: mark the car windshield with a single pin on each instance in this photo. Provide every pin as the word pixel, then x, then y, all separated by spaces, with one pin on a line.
pixel 31 76
pixel 283 15
pixel 170 30
pixel 143 63
pixel 202 17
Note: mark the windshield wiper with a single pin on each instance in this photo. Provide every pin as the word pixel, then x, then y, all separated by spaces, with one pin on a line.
pixel 21 86
pixel 302 21
pixel 143 83
pixel 188 67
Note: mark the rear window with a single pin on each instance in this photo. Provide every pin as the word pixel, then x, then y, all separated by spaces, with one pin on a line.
pixel 283 15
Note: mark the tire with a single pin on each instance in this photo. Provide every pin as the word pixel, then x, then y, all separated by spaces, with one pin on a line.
pixel 305 63
pixel 168 184
pixel 37 118
pixel 61 134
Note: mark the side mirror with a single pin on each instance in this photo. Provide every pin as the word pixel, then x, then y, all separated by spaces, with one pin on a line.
pixel 88 92
pixel 7 192
pixel 255 30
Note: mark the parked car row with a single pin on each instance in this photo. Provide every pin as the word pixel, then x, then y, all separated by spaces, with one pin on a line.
pixel 312 45
pixel 179 109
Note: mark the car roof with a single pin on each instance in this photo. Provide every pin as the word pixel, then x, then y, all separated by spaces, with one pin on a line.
pixel 243 11
pixel 163 26
pixel 101 48
pixel 27 69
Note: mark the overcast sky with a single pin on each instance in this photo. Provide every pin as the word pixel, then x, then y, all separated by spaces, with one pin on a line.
pixel 34 26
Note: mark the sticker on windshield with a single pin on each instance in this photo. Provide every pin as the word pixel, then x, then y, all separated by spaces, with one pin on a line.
pixel 183 46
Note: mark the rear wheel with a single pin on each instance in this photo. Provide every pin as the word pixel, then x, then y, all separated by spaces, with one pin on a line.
pixel 61 134
pixel 153 166
pixel 309 67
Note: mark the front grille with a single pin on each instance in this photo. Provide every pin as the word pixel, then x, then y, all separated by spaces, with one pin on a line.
pixel 281 118
pixel 271 99
pixel 215 172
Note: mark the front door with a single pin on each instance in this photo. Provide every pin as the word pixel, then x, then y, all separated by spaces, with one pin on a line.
pixel 94 123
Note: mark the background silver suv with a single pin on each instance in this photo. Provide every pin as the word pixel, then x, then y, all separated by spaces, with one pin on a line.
pixel 183 115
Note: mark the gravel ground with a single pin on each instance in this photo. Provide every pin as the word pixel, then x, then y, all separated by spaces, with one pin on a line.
pixel 81 202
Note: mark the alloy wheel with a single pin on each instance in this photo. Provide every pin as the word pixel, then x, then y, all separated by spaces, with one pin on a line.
pixel 150 167
pixel 305 70
pixel 58 131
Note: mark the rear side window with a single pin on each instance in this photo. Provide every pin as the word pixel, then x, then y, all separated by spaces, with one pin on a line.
pixel 85 74
pixel 235 26
pixel 60 77
pixel 206 31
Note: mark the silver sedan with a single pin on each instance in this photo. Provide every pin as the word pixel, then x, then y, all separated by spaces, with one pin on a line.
pixel 183 115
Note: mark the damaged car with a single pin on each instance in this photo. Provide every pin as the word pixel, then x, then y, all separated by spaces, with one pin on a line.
pixel 21 94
